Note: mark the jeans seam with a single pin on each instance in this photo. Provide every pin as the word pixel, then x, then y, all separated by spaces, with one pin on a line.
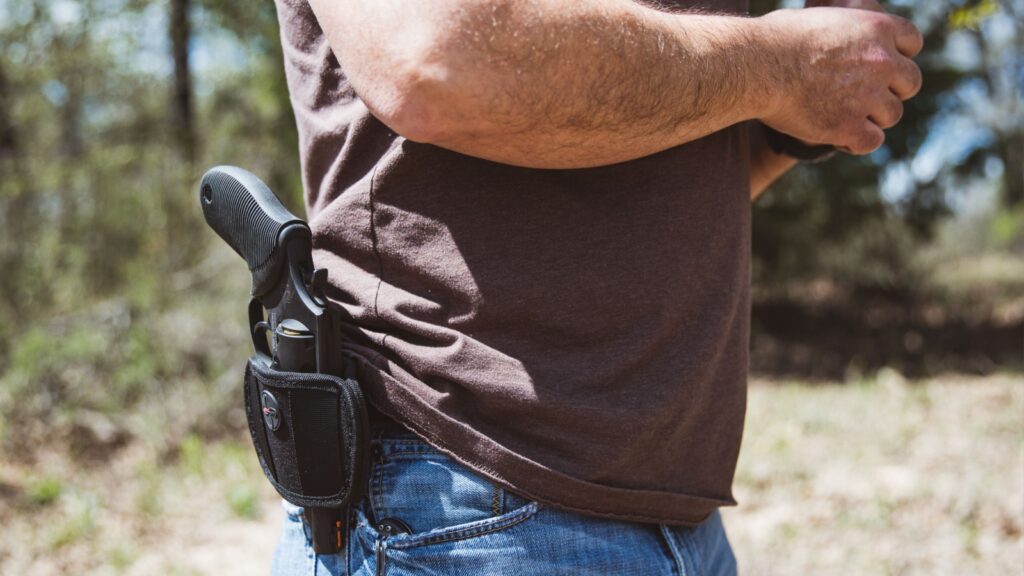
pixel 377 501
pixel 350 536
pixel 497 496
pixel 695 552
pixel 414 453
pixel 677 555
pixel 482 528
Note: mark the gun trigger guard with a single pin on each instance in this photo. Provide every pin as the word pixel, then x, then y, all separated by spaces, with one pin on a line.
pixel 258 329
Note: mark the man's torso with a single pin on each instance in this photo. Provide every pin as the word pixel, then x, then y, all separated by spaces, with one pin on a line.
pixel 577 335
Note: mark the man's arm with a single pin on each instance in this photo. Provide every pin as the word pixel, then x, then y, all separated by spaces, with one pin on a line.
pixel 554 84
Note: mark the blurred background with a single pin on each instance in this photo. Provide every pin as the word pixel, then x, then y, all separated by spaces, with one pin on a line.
pixel 885 430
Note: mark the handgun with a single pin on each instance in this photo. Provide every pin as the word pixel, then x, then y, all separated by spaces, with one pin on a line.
pixel 288 317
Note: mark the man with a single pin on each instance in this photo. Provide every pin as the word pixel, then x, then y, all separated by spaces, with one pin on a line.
pixel 536 217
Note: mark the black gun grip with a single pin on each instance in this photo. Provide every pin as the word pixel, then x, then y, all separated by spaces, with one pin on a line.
pixel 249 217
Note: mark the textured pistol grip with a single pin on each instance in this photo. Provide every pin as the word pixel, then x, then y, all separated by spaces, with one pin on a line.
pixel 249 217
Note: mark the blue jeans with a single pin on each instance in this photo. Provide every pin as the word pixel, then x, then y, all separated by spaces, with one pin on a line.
pixel 425 513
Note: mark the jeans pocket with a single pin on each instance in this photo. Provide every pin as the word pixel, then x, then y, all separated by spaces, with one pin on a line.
pixel 433 498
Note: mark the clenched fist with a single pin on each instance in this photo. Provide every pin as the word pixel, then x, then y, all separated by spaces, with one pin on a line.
pixel 852 72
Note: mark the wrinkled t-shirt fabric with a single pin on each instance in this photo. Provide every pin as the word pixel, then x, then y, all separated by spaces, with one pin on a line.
pixel 578 336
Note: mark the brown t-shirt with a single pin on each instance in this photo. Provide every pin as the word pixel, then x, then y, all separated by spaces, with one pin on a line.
pixel 579 336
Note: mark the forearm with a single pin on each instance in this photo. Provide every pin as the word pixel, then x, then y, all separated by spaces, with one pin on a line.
pixel 766 166
pixel 557 84
pixel 544 83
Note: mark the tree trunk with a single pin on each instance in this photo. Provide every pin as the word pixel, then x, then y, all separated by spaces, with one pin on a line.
pixel 8 134
pixel 1013 169
pixel 182 120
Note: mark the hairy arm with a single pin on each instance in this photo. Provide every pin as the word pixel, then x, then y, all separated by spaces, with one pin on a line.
pixel 557 84
pixel 545 83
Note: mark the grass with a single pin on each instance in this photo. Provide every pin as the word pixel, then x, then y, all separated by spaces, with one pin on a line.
pixel 43 491
pixel 244 501
pixel 77 522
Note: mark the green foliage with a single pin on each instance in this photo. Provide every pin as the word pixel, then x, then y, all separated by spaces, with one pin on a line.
pixel 100 235
pixel 44 491
pixel 78 522
pixel 192 455
pixel 878 259
pixel 148 499
pixel 244 501
pixel 972 14
pixel 1007 229
pixel 119 558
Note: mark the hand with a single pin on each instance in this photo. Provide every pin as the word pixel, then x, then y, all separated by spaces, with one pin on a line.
pixel 852 71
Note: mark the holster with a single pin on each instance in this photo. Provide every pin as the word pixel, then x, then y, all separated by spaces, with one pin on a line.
pixel 309 428
pixel 310 432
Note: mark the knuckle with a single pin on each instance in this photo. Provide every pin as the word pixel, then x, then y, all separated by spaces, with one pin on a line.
pixel 858 150
pixel 874 140
pixel 894 112
pixel 868 141
pixel 908 78
pixel 911 31
pixel 880 24
pixel 916 79
pixel 915 32
pixel 902 25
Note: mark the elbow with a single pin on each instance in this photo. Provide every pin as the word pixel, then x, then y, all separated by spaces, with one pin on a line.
pixel 417 67
pixel 418 95
pixel 422 73
pixel 418 109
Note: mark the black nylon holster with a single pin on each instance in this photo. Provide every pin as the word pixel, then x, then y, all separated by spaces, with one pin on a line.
pixel 310 432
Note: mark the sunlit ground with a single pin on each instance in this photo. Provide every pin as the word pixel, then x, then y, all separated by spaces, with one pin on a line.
pixel 883 477
pixel 879 477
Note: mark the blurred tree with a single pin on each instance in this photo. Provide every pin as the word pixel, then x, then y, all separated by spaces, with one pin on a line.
pixel 860 221
pixel 100 143
pixel 181 35
pixel 266 116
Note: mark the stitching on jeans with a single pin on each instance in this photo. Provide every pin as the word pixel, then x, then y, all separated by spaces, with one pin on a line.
pixel 425 455
pixel 414 449
pixel 378 509
pixel 482 528
pixel 696 559
pixel 676 554
pixel 350 537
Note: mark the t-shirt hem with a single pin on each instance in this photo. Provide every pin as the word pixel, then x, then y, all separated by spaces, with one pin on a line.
pixel 522 475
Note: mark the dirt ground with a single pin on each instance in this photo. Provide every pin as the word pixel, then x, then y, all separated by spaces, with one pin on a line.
pixel 880 477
